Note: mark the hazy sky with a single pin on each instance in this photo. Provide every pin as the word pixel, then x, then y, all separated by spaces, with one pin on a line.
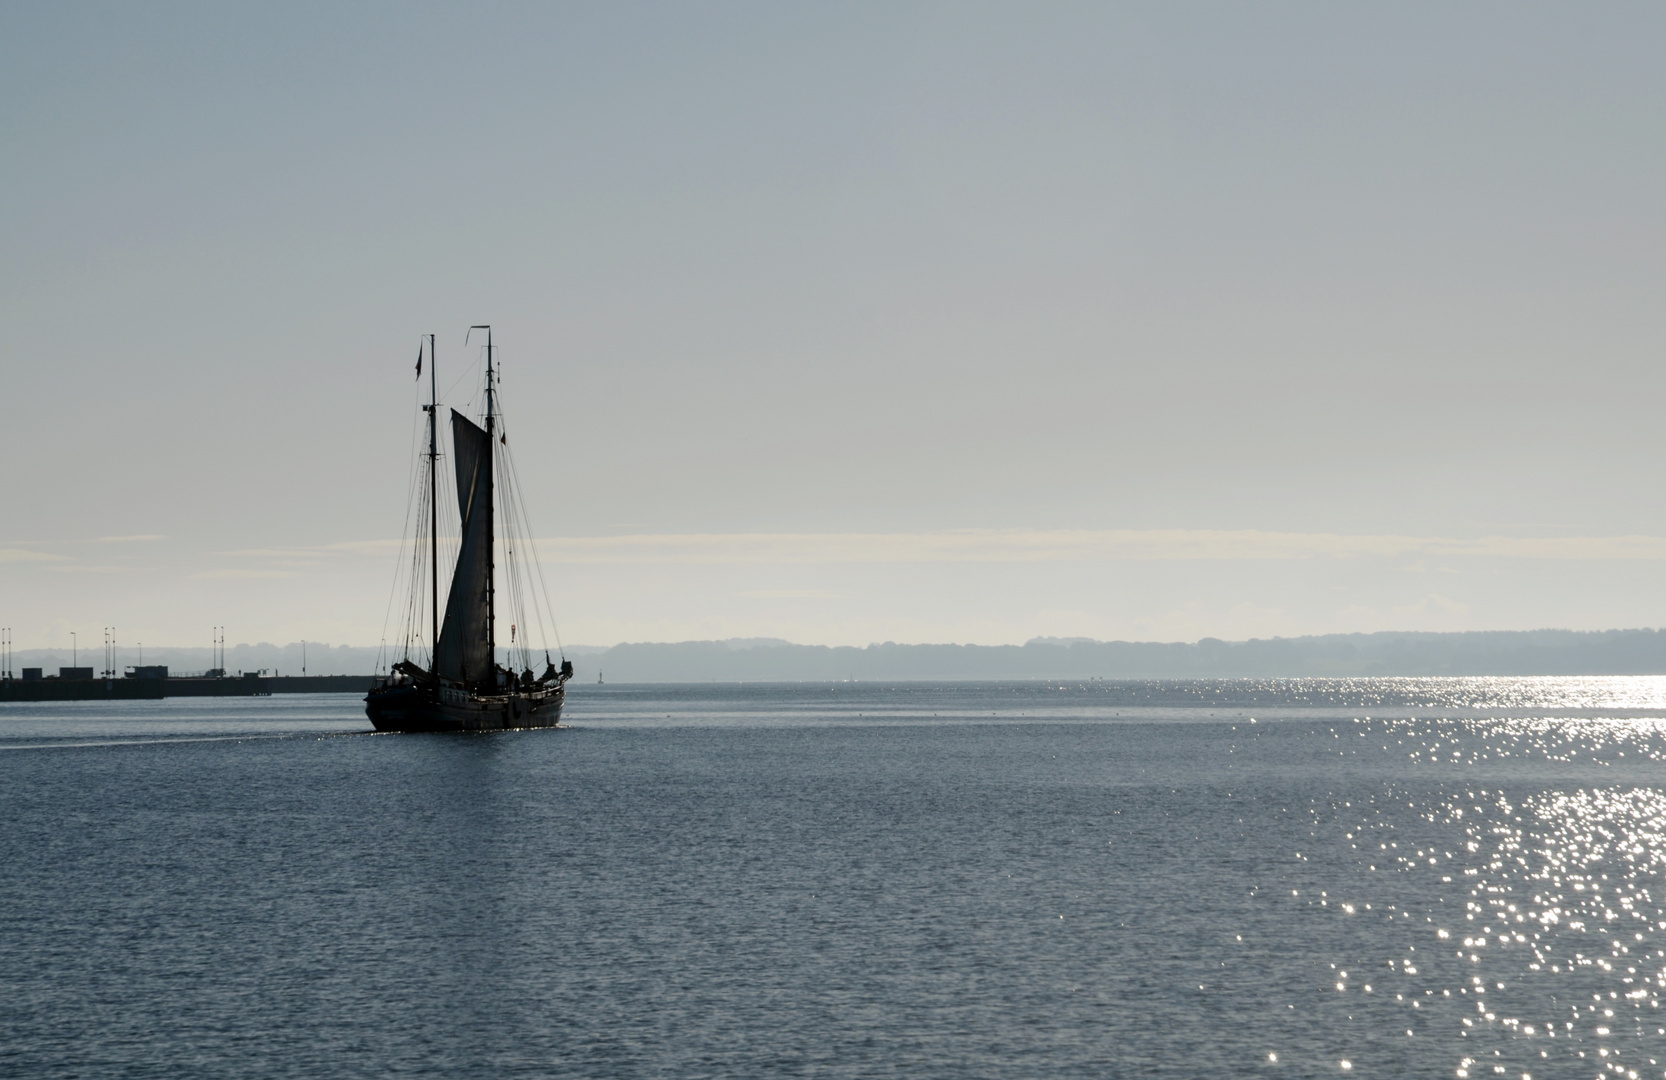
pixel 843 323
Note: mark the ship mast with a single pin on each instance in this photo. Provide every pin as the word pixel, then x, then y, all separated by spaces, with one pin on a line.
pixel 491 526
pixel 433 504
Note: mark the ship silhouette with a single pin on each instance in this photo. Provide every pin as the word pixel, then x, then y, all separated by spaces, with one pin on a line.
pixel 462 687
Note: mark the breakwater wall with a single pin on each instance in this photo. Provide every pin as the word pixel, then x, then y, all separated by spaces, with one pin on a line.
pixel 80 689
pixel 320 684
pixel 150 689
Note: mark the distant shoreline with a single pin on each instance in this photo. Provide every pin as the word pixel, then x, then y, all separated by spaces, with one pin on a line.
pixel 1476 653
pixel 1387 653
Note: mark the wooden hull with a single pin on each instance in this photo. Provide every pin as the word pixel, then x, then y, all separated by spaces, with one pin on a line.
pixel 413 708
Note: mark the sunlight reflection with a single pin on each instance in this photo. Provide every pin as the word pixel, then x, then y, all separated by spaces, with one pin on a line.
pixel 1538 913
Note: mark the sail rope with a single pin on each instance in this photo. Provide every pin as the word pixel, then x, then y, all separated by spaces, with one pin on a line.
pixel 524 548
pixel 519 635
pixel 411 575
pixel 413 485
pixel 416 607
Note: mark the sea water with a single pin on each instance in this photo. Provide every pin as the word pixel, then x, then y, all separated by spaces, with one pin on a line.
pixel 1368 877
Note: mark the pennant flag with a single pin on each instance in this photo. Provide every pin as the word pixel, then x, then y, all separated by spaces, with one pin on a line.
pixel 419 361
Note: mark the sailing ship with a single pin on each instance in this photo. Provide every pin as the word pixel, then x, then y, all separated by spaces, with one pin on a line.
pixel 462 687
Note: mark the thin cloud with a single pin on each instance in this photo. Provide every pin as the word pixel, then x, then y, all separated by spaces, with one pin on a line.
pixel 1022 545
pixel 346 547
pixel 24 555
pixel 1433 604
pixel 137 538
pixel 365 547
pixel 1066 545
pixel 794 594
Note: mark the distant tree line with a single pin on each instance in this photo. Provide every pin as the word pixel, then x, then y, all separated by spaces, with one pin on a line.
pixel 1532 652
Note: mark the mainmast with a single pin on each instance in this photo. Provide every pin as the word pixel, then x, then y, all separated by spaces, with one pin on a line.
pixel 491 531
pixel 433 503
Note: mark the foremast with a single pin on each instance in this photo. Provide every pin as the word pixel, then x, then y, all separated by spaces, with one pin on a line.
pixel 433 502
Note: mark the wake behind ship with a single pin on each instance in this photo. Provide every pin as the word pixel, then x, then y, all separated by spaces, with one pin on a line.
pixel 462 687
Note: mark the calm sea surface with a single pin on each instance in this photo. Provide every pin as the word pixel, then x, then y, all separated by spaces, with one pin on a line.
pixel 1373 877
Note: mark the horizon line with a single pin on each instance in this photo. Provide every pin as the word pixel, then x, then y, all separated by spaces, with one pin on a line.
pixel 1057 641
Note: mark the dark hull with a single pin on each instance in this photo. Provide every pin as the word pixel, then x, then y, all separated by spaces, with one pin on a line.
pixel 412 708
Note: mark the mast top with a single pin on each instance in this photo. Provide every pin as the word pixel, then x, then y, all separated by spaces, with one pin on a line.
pixel 489 374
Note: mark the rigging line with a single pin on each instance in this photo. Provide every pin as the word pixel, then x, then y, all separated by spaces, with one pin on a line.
pixel 530 553
pixel 514 531
pixel 393 589
pixel 451 528
pixel 517 528
pixel 521 591
pixel 507 538
pixel 480 384
pixel 405 610
pixel 537 570
pixel 413 602
pixel 538 566
pixel 416 607
pixel 465 374
pixel 515 542
pixel 512 561
pixel 418 553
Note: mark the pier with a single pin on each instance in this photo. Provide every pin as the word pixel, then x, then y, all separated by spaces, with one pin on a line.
pixel 153 687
